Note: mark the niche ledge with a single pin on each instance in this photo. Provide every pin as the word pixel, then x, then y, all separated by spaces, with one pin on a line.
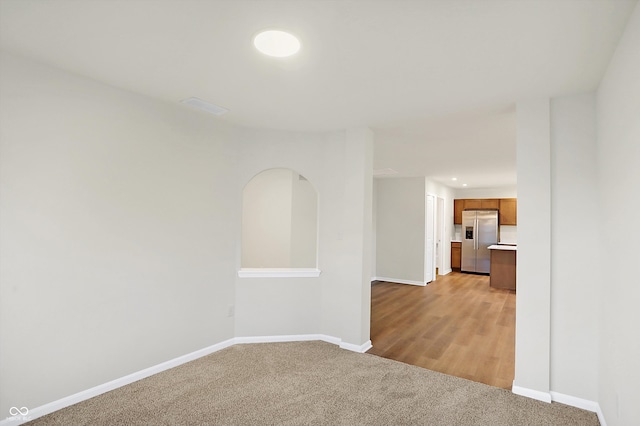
pixel 279 273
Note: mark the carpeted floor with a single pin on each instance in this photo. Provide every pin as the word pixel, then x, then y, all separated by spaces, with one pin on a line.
pixel 309 383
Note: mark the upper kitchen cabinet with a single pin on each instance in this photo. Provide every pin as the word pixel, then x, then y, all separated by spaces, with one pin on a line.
pixel 507 208
pixel 508 211
pixel 472 204
pixel 458 207
pixel 490 204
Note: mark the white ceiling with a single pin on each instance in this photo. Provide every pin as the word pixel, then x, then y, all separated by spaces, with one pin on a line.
pixel 436 80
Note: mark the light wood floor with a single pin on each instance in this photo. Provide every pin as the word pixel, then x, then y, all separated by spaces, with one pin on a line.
pixel 456 325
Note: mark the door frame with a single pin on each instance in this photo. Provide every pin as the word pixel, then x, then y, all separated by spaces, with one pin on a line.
pixel 430 243
pixel 440 232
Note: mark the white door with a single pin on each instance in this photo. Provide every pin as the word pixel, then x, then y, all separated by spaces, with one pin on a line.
pixel 439 234
pixel 430 240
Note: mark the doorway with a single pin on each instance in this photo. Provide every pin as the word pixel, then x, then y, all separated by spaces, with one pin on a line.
pixel 430 239
pixel 440 233
pixel 434 237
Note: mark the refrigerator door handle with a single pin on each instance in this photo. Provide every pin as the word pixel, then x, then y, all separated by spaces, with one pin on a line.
pixel 475 234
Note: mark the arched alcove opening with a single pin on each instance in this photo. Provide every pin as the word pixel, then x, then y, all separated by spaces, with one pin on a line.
pixel 279 225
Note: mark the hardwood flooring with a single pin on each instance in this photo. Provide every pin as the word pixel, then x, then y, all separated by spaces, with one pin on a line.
pixel 456 325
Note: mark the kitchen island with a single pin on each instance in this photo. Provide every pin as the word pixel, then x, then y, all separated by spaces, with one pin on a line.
pixel 503 266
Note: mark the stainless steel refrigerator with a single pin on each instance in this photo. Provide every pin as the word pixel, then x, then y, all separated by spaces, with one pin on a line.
pixel 479 231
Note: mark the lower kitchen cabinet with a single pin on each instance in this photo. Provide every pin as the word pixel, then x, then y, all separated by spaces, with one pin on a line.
pixel 456 252
pixel 503 269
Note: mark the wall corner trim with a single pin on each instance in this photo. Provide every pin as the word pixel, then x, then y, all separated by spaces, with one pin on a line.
pixel 561 398
pixel 584 404
pixel 530 393
pixel 51 407
pixel 357 348
pixel 400 281
pixel 287 338
pixel 307 337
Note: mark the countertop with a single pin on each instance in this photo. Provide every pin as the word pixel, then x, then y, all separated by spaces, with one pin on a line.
pixel 502 247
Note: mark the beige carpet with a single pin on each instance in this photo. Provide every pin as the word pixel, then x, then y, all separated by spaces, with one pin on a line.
pixel 309 383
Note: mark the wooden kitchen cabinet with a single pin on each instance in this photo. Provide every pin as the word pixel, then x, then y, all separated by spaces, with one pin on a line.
pixel 507 207
pixel 508 211
pixel 458 206
pixel 472 204
pixel 503 269
pixel 468 204
pixel 456 249
pixel 490 204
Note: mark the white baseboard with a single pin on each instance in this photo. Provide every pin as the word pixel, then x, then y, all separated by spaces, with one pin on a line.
pixel 288 338
pixel 530 393
pixel 304 338
pixel 561 398
pixel 357 348
pixel 114 384
pixel 584 404
pixel 445 272
pixel 134 377
pixel 601 416
pixel 400 281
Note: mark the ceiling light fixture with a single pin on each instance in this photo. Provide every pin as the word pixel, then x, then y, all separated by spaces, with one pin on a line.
pixel 464 184
pixel 276 43
pixel 454 179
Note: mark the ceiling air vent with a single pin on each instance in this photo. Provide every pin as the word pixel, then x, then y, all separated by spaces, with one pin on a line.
pixel 384 172
pixel 206 106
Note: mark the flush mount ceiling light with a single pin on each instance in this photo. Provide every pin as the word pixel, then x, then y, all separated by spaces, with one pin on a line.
pixel 279 44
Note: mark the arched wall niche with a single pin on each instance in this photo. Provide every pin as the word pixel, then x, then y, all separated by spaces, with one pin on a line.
pixel 279 225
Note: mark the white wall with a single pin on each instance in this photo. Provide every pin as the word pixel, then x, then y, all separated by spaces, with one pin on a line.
pixel 534 242
pixel 121 231
pixel 400 227
pixel 304 223
pixel 577 301
pixel 279 221
pixel 273 306
pixel 400 234
pixel 330 304
pixel 118 233
pixel 267 220
pixel 618 119
pixel 508 234
pixel 347 305
pixel 575 247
